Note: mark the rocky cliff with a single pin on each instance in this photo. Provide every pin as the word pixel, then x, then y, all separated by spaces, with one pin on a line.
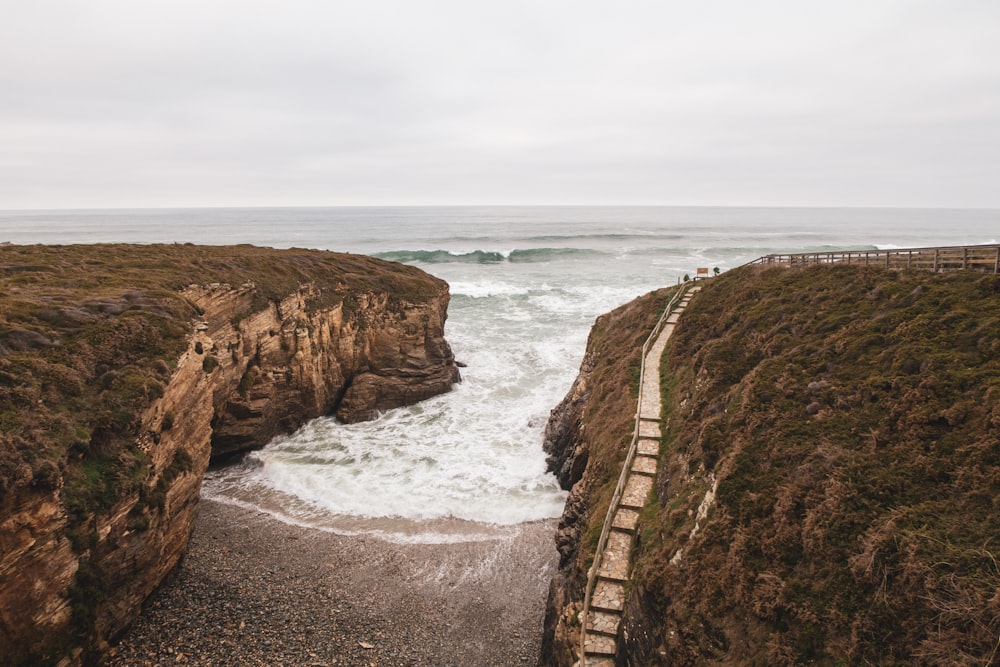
pixel 829 480
pixel 124 369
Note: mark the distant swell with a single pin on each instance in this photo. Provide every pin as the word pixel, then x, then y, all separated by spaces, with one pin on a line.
pixel 441 257
pixel 486 257
pixel 630 236
pixel 545 254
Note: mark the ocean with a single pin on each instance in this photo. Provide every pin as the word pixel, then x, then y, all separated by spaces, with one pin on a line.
pixel 526 286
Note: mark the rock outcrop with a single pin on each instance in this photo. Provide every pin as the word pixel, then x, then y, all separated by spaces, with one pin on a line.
pixel 88 529
pixel 286 364
pixel 566 450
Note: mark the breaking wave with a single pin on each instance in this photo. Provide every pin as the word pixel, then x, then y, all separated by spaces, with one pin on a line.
pixel 487 256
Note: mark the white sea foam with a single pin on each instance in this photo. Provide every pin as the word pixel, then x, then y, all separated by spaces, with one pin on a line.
pixel 485 288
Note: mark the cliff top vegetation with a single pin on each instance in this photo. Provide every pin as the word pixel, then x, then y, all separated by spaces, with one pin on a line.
pixel 90 334
pixel 848 419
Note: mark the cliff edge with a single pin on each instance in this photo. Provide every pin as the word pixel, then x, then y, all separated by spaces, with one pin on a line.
pixel 829 475
pixel 124 369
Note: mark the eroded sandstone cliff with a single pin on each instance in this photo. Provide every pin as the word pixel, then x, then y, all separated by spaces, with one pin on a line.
pixel 286 364
pixel 119 383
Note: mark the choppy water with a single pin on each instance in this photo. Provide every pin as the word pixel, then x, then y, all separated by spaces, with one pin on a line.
pixel 526 284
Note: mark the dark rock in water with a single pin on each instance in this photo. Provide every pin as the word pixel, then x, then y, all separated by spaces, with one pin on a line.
pixel 567 452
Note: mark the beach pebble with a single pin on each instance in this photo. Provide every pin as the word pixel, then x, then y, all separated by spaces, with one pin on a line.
pixel 247 595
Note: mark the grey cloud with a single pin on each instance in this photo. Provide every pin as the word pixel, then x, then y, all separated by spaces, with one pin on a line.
pixel 114 103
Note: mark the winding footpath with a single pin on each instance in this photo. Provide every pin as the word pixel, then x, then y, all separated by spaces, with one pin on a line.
pixel 606 586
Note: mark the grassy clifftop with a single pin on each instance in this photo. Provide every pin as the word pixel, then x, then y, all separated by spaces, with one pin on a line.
pixel 830 485
pixel 89 336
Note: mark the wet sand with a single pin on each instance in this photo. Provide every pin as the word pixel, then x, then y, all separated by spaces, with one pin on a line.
pixel 255 591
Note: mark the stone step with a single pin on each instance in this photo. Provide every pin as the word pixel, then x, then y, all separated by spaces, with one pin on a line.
pixel 596 661
pixel 650 429
pixel 599 645
pixel 608 596
pixel 617 553
pixel 604 623
pixel 625 519
pixel 648 447
pixel 644 465
pixel 636 491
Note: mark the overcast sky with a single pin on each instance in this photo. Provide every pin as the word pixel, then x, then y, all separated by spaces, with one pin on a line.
pixel 135 103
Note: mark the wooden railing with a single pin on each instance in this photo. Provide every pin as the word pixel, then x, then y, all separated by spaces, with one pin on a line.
pixel 985 258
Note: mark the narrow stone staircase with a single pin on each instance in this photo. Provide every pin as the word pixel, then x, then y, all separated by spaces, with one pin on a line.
pixel 605 599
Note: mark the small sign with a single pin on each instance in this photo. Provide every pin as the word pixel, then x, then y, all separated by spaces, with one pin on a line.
pixel 702 271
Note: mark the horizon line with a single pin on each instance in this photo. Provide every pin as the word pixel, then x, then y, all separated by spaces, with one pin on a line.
pixel 497 206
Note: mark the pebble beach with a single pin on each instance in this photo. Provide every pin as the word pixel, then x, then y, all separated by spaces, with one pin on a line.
pixel 255 591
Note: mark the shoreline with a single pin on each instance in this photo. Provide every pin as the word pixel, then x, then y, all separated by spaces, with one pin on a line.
pixel 253 590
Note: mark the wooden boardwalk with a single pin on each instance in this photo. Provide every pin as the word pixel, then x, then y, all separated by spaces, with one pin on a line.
pixel 985 258
pixel 604 603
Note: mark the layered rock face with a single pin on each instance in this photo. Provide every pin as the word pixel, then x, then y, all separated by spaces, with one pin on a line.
pixel 71 578
pixel 285 365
